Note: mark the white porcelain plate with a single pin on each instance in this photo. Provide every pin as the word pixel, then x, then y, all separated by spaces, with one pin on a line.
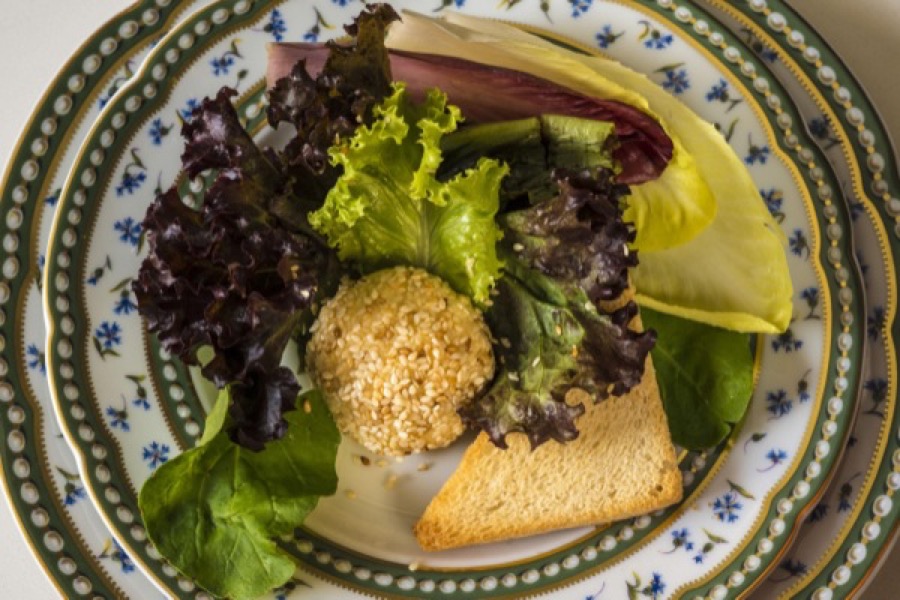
pixel 126 407
pixel 852 527
pixel 40 473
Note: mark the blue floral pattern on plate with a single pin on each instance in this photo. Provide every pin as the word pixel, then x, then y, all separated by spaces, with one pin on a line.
pixel 682 80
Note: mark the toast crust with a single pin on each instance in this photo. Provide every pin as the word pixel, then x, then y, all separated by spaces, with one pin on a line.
pixel 623 464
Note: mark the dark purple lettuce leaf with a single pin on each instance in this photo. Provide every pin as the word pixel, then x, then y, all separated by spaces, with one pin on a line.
pixel 231 278
pixel 579 236
pixel 487 94
pixel 215 139
pixel 243 274
pixel 614 355
pixel 565 263
pixel 349 82
pixel 261 399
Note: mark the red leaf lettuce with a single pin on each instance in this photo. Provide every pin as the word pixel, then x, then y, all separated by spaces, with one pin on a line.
pixel 244 273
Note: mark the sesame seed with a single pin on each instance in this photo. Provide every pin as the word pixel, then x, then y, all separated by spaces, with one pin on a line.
pixel 513 376
pixel 536 361
pixel 396 354
pixel 518 247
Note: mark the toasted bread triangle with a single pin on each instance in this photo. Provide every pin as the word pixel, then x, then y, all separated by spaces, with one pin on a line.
pixel 621 465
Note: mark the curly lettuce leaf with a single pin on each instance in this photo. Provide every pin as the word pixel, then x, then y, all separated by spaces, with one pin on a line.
pixel 566 260
pixel 705 377
pixel 216 511
pixel 229 277
pixel 551 340
pixel 350 80
pixel 388 208
pixel 244 274
pixel 579 237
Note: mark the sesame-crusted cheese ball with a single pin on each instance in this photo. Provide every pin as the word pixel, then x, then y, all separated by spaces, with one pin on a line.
pixel 396 354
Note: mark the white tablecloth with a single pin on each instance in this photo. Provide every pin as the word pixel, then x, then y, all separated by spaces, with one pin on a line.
pixel 37 36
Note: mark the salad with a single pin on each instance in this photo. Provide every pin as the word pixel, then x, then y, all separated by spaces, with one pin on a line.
pixel 556 194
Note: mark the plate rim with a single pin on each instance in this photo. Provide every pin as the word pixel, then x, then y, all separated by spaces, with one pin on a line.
pixel 89 574
pixel 50 270
pixel 757 12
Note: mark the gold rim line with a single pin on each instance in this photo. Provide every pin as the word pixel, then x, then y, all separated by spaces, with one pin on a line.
pixel 68 186
pixel 85 553
pixel 30 278
pixel 73 530
pixel 40 427
pixel 793 469
pixel 891 305
pixel 763 121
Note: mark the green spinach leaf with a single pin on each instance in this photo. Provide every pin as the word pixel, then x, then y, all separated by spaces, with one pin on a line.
pixel 216 511
pixel 705 377
pixel 389 209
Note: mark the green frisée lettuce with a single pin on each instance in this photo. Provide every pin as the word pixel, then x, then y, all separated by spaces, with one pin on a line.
pixel 705 377
pixel 215 512
pixel 388 208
